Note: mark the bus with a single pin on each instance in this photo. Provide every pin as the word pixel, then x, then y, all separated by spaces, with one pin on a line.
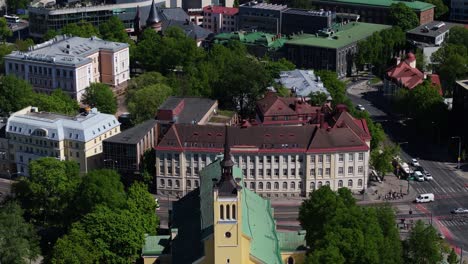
pixel 12 19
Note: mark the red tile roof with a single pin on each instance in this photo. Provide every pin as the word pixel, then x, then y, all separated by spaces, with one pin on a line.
pixel 435 80
pixel 230 11
pixel 406 75
pixel 274 105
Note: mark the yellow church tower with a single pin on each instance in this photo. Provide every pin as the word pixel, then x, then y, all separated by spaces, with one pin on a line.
pixel 227 211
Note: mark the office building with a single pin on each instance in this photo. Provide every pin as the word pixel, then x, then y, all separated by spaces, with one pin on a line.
pixel 71 64
pixel 33 134
pixel 263 17
pixel 459 10
pixel 306 21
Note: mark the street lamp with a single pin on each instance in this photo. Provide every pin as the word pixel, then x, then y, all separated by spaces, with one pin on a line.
pixel 459 150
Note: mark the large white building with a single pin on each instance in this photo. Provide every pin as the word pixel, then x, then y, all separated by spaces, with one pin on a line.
pixel 71 64
pixel 33 134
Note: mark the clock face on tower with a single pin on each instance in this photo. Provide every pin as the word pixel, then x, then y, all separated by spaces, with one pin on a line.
pixel 228 234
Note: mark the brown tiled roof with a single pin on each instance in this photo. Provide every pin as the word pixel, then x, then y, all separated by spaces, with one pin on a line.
pixel 335 139
pixel 359 126
pixel 272 105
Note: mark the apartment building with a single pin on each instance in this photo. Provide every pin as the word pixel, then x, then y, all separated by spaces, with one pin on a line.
pixel 220 19
pixel 33 134
pixel 276 161
pixel 71 64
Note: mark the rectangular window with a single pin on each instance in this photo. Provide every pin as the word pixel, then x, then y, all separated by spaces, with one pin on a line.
pixel 350 170
pixel 361 156
pixel 312 159
pixel 327 172
pixel 320 172
pixel 320 158
pixel 340 157
pixel 351 157
pixel 340 170
pixel 77 154
pixel 312 172
pixel 360 169
pixel 328 158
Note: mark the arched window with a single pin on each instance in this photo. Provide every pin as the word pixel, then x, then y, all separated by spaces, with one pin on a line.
pixel 350 183
pixel 177 184
pixel 293 185
pixel 228 213
pixel 290 260
pixel 260 185
pixel 327 183
pixel 276 185
pixel 252 185
pixel 312 185
pixel 340 183
pixel 285 185
pixel 169 183
pixel 319 184
pixel 233 211
pixel 359 183
pixel 268 185
pixel 189 184
pixel 162 182
pixel 221 212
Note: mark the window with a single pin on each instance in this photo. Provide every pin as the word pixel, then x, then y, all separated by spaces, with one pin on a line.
pixel 312 185
pixel 312 172
pixel 177 184
pixel 252 185
pixel 260 185
pixel 320 172
pixel 233 211
pixel 221 212
pixel 189 184
pixel 328 158
pixel 228 213
pixel 340 183
pixel 320 158
pixel 350 170
pixel 312 159
pixel 327 183
pixel 276 185
pixel 359 183
pixel 268 185
pixel 196 184
pixel 361 156
pixel 293 185
pixel 285 185
pixel 319 184
pixel 360 169
pixel 350 183
pixel 162 182
pixel 169 183
pixel 327 171
pixel 351 157
pixel 340 170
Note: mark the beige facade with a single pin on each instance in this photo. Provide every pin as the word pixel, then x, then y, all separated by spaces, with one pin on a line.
pixel 270 175
pixel 34 134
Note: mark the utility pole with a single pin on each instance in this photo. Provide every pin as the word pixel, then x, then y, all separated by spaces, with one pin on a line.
pixel 459 151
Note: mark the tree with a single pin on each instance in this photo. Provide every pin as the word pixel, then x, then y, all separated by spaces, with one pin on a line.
pixel 424 244
pixel 318 98
pixel 5 49
pixel 144 103
pixel 101 96
pixel 14 5
pixel 18 239
pixel 100 187
pixel 274 68
pixel 148 47
pixel 440 7
pixel 420 60
pixel 403 16
pixel 391 248
pixel 142 204
pixel 47 193
pixel 57 102
pixel 50 34
pixel 335 87
pixel 15 94
pixel 82 29
pixel 452 257
pixel 381 159
pixel 114 30
pixel 5 31
pixel 144 80
pixel 23 45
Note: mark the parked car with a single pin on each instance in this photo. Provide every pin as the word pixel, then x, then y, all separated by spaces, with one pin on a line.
pixel 425 198
pixel 428 176
pixel 415 163
pixel 418 176
pixel 460 211
pixel 360 107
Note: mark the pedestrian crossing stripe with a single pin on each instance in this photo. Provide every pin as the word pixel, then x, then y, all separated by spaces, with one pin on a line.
pixel 453 222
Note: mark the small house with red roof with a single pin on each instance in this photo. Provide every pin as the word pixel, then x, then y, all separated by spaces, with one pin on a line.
pixel 219 19
pixel 405 75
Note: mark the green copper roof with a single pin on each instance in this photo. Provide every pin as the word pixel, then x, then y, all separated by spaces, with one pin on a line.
pixel 291 241
pixel 343 36
pixel 155 245
pixel 257 215
pixel 415 5
pixel 252 38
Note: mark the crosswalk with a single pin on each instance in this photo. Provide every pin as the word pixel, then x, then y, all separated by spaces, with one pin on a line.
pixel 441 190
pixel 454 222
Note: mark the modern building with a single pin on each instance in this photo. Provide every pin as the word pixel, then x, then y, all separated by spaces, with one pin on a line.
pixel 222 221
pixel 302 82
pixel 286 111
pixel 331 49
pixel 45 17
pixel 124 152
pixel 33 134
pixel 277 161
pixel 71 64
pixel 220 19
pixel 264 17
pixel 376 11
pixel 19 29
pixel 459 11
pixel 306 21
pixel 460 107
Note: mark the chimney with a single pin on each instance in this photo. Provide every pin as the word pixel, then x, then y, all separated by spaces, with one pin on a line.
pixel 322 120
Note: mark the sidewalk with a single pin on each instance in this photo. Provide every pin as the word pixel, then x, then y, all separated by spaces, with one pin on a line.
pixel 390 184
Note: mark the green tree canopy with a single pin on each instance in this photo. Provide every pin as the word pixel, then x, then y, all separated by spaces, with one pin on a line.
pixel 57 102
pixel 75 248
pixel 403 16
pixel 143 205
pixel 23 45
pixel 452 257
pixel 424 245
pixel 144 103
pixel 101 96
pixel 82 29
pixel 5 31
pixel 18 239
pixel 440 7
pixel 15 94
pixel 381 159
pixel 274 68
pixel 47 193
pixel 5 49
pixel 114 30
pixel 14 5
pixel 318 98
pixel 50 34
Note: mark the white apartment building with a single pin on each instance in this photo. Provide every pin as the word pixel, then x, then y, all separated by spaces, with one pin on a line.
pixel 33 134
pixel 286 161
pixel 71 64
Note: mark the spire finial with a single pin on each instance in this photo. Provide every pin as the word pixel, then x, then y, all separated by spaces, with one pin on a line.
pixel 227 161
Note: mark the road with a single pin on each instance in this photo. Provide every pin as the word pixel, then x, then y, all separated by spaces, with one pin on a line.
pixel 450 189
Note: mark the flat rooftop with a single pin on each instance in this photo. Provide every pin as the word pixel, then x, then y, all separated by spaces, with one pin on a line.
pixel 415 5
pixel 133 135
pixel 433 29
pixel 304 12
pixel 343 36
pixel 265 6
pixel 253 38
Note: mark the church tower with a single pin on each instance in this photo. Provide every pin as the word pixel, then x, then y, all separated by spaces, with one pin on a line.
pixel 137 23
pixel 227 209
pixel 154 21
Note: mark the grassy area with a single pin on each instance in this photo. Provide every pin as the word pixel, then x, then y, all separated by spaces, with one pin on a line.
pixel 375 80
pixel 227 113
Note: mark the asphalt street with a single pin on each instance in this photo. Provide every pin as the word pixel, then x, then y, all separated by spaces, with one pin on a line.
pixel 450 189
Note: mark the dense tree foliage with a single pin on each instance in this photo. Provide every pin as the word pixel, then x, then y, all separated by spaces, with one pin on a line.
pixel 100 95
pixel 339 231
pixel 440 7
pixel 452 257
pixel 15 94
pixel 14 5
pixel 403 16
pixel 381 159
pixel 56 102
pixel 18 240
pixel 274 68
pixel 424 245
pixel 114 30
pixel 76 247
pixel 23 45
pixel 5 31
pixel 82 29
pixel 143 103
pixel 318 98
pixel 5 49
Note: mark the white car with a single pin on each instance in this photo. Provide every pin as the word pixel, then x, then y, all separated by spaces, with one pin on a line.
pixel 428 176
pixel 460 211
pixel 415 163
pixel 360 107
pixel 418 176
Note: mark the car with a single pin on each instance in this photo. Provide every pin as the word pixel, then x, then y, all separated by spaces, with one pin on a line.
pixel 425 198
pixel 460 211
pixel 415 163
pixel 360 107
pixel 418 176
pixel 428 176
